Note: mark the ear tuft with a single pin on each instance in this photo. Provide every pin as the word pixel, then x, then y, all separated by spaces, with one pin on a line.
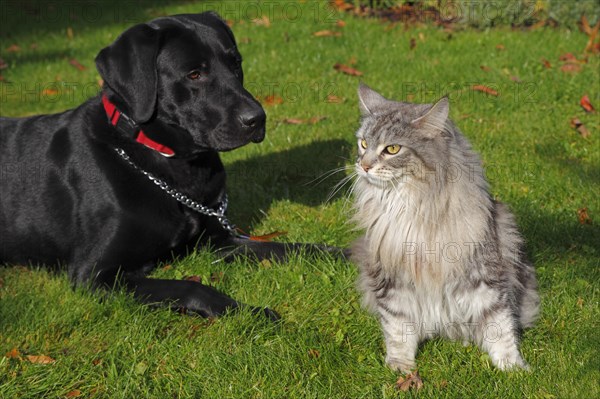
pixel 369 100
pixel 435 118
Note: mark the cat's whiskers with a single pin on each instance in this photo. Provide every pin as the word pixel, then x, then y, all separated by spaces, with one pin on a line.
pixel 340 185
pixel 328 174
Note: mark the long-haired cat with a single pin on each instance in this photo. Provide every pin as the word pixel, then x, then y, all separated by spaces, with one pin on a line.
pixel 439 256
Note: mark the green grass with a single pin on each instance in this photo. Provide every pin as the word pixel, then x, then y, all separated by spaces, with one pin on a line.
pixel 327 346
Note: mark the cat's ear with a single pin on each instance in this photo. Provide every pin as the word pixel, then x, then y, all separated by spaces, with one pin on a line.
pixel 369 100
pixel 434 120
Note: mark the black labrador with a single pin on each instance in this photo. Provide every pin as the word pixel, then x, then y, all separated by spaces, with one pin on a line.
pixel 133 176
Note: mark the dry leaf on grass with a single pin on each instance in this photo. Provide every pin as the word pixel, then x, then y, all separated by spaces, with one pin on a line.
pixel 13 49
pixel 77 64
pixel 13 354
pixel 217 277
pixel 586 104
pixel 347 70
pixel 42 359
pixel 546 63
pixel 326 33
pixel 340 23
pixel 3 64
pixel 485 68
pixel 313 353
pixel 577 124
pixel 411 381
pixel 196 279
pixel 583 216
pixel 332 98
pixel 262 21
pixel 311 121
pixel 270 100
pixel 73 394
pixel 592 33
pixel 485 89
pixel 571 68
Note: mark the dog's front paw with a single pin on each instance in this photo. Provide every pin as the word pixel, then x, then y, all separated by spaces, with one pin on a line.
pixel 268 313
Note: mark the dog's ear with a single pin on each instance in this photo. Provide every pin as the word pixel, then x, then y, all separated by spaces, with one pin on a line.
pixel 128 67
pixel 207 18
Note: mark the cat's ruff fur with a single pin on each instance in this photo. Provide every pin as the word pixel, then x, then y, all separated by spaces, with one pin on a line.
pixel 439 256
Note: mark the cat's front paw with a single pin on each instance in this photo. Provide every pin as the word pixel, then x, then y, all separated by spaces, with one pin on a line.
pixel 398 364
pixel 512 364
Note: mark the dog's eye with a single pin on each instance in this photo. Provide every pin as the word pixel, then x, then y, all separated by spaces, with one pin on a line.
pixel 194 75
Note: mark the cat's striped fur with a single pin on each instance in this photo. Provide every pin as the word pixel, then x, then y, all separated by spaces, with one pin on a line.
pixel 439 256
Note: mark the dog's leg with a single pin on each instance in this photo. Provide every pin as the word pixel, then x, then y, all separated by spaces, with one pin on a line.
pixel 259 250
pixel 185 295
pixel 188 295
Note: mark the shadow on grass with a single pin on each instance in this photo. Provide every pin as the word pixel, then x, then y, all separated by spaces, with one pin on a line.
pixel 297 175
pixel 22 18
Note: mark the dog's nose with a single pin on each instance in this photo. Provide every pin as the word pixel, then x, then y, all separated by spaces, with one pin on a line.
pixel 253 118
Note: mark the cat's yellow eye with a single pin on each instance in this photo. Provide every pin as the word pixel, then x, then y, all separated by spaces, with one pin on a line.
pixel 392 149
pixel 363 143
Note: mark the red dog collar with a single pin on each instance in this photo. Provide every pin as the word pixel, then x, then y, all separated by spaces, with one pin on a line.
pixel 126 125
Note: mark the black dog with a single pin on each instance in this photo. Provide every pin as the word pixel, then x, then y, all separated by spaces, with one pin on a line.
pixel 133 176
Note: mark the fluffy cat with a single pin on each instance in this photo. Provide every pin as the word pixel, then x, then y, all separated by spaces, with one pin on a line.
pixel 439 256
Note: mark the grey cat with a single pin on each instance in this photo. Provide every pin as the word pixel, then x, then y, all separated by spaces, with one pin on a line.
pixel 439 256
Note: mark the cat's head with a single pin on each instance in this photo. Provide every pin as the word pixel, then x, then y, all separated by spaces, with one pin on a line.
pixel 399 142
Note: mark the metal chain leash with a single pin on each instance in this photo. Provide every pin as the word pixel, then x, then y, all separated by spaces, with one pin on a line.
pixel 184 199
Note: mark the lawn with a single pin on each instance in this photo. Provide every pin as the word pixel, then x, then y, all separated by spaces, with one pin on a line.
pixel 108 346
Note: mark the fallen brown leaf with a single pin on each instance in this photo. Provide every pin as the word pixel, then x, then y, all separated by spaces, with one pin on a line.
pixel 546 63
pixel 538 25
pixel 568 57
pixel 245 40
pixel 97 362
pixel 500 47
pixel 73 394
pixel 42 359
pixel 570 68
pixel 311 121
pixel 515 78
pixel 49 92
pixel 77 64
pixel 271 100
pixel 325 33
pixel 313 353
pixel 216 277
pixel 262 21
pixel 485 68
pixel 167 267
pixel 412 44
pixel 577 124
pixel 13 354
pixel 332 98
pixel 13 49
pixel 196 279
pixel 268 237
pixel 421 36
pixel 347 70
pixel 586 104
pixel 485 89
pixel 592 33
pixel 230 23
pixel 3 64
pixel 583 216
pixel 411 381
pixel 340 23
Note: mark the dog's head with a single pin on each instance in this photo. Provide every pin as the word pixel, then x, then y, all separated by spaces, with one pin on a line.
pixel 184 73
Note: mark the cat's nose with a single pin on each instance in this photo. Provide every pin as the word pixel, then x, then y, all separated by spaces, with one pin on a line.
pixel 365 167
